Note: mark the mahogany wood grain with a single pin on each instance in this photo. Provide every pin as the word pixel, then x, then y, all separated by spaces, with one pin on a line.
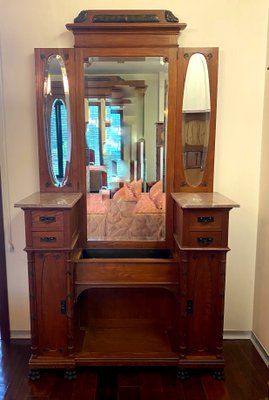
pixel 126 271
pixel 188 229
pixel 109 35
pixel 116 311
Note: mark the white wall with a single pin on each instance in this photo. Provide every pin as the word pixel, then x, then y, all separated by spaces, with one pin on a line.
pixel 238 28
pixel 261 298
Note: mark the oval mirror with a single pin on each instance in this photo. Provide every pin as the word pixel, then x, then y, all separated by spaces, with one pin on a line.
pixel 195 119
pixel 57 120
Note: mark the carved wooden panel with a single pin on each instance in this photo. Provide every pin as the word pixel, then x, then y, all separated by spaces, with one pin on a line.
pixel 50 294
pixel 204 302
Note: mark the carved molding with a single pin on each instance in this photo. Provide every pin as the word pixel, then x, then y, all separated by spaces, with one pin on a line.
pixel 82 17
pixel 170 17
pixel 124 18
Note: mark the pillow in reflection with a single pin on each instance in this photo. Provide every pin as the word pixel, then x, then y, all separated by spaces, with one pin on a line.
pixel 146 206
pixel 160 201
pixel 124 194
pixel 155 190
pixel 136 188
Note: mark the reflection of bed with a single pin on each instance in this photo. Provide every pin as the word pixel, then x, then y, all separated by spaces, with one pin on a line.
pixel 126 217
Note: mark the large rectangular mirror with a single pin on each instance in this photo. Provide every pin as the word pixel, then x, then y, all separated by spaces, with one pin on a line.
pixel 125 143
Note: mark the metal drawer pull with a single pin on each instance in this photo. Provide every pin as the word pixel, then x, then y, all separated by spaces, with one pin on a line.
pixel 47 220
pixel 189 307
pixel 63 306
pixel 205 220
pixel 48 239
pixel 205 240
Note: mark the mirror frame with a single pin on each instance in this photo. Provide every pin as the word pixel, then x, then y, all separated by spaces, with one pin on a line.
pixel 211 56
pixel 170 54
pixel 52 101
pixel 133 33
pixel 45 176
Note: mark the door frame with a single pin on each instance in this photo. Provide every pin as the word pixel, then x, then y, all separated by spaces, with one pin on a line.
pixel 4 310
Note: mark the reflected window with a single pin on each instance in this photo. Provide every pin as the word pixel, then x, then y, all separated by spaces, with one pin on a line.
pixel 105 148
pixel 93 135
pixel 58 138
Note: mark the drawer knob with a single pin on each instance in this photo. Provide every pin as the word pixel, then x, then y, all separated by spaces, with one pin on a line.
pixel 205 240
pixel 48 239
pixel 47 219
pixel 205 220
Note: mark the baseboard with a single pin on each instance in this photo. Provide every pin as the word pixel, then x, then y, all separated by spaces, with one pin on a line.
pixel 226 335
pixel 229 334
pixel 260 349
pixel 20 335
pixel 233 335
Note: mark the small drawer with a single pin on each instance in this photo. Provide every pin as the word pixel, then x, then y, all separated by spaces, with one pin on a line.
pixel 205 239
pixel 46 240
pixel 207 220
pixel 47 219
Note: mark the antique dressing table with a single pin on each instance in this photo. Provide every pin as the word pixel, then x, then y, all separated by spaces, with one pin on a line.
pixel 126 240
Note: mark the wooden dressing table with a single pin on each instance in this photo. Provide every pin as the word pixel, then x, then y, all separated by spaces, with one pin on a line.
pixel 125 302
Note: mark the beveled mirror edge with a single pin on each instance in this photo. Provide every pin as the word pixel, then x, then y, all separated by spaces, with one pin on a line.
pixel 57 112
pixel 121 86
pixel 195 119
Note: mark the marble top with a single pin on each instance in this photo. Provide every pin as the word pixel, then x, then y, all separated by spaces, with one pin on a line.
pixel 49 200
pixel 203 200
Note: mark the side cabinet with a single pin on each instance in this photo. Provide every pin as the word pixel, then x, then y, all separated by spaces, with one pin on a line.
pixel 205 277
pixel 49 292
pixel 52 239
pixel 201 241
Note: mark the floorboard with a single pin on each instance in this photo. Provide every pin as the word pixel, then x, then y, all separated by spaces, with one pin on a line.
pixel 246 378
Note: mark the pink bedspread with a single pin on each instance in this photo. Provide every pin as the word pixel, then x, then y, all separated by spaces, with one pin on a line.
pixel 146 206
pixel 113 219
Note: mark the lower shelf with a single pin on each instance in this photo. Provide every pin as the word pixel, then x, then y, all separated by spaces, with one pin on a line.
pixel 125 342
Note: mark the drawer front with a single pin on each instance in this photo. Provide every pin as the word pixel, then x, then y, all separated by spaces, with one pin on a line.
pixel 47 220
pixel 205 239
pixel 48 240
pixel 208 220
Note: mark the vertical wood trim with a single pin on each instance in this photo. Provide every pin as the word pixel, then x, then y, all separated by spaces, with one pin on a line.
pixel 4 312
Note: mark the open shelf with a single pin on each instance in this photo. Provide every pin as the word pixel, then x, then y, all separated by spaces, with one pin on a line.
pixel 125 342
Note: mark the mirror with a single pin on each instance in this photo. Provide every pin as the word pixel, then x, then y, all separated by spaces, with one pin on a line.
pixel 195 119
pixel 125 135
pixel 56 117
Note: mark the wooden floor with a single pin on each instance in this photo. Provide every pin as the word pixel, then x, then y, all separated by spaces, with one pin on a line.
pixel 246 378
